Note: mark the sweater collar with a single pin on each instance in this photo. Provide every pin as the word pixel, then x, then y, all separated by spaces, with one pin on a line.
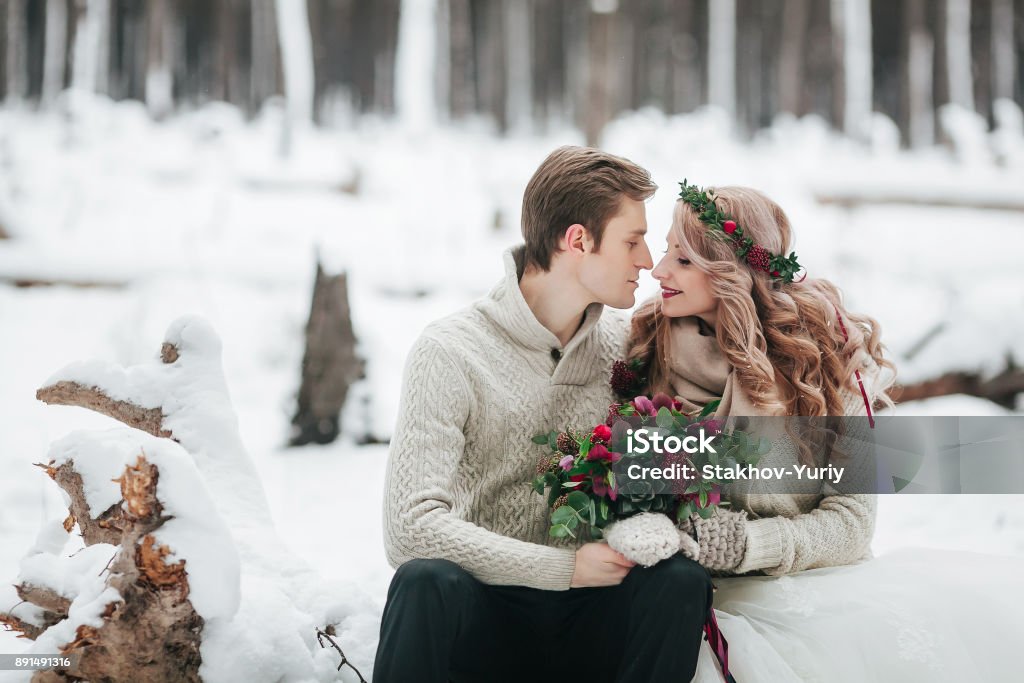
pixel 506 306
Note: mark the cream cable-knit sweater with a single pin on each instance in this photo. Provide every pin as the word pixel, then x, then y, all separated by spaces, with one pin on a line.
pixel 477 386
pixel 812 525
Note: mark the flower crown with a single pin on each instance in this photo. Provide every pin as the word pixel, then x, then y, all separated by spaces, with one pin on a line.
pixel 723 227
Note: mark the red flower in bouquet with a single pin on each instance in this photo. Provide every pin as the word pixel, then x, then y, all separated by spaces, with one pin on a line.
pixel 600 453
pixel 645 406
pixel 663 400
pixel 712 498
pixel 601 434
pixel 601 488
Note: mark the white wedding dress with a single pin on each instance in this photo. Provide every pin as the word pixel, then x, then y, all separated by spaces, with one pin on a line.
pixel 911 615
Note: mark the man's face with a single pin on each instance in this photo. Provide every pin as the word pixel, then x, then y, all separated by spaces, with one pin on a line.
pixel 610 274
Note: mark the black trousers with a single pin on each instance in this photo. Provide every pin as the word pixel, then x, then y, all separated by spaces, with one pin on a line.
pixel 440 624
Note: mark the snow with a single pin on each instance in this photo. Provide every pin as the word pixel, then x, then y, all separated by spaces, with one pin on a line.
pixel 195 231
pixel 197 534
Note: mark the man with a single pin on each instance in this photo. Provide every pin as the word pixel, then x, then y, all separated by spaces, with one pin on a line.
pixel 481 592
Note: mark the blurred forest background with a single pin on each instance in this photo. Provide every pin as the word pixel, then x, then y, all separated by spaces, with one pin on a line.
pixel 527 64
pixel 320 179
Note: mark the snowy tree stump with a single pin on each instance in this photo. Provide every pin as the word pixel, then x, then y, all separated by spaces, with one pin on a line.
pixel 330 364
pixel 148 630
pixel 168 566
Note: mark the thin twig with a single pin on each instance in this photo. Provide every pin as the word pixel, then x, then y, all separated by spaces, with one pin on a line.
pixel 320 635
pixel 108 564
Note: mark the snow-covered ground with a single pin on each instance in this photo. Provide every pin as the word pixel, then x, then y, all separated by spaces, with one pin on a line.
pixel 199 215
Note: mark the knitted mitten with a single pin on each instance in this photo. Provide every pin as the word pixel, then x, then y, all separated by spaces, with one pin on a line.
pixel 722 538
pixel 647 538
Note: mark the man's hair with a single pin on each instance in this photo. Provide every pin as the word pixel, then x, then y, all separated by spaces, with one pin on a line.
pixel 577 185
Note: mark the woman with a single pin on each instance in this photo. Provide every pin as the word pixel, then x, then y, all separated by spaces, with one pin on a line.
pixel 736 322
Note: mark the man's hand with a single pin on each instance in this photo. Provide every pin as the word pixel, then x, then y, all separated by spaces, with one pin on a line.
pixel 598 565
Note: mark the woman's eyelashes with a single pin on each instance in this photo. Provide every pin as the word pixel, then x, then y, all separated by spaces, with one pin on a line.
pixel 681 261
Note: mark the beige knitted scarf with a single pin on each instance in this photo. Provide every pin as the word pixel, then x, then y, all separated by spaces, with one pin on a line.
pixel 700 373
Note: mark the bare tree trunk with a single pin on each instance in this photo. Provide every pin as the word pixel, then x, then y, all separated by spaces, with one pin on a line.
pixel 330 364
pixel 518 105
pixel 55 54
pixel 722 55
pixel 414 66
pixel 463 97
pixel 685 88
pixel 981 56
pixel 266 58
pixel 490 52
pixel 442 81
pixel 16 58
pixel 159 59
pixel 960 83
pixel 91 55
pixel 598 101
pixel 795 16
pixel 851 23
pixel 297 60
pixel 920 56
pixel 1004 60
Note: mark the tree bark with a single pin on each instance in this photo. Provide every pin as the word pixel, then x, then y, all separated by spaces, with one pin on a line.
pixel 159 59
pixel 795 16
pixel 1004 61
pixel 851 25
pixel 722 55
pixel 519 104
pixel 920 55
pixel 16 54
pixel 1002 389
pixel 55 54
pixel 330 364
pixel 958 53
pixel 598 106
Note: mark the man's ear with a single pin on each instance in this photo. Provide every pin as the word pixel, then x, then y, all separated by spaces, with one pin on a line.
pixel 578 239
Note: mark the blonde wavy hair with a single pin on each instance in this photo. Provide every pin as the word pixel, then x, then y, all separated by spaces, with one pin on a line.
pixel 783 340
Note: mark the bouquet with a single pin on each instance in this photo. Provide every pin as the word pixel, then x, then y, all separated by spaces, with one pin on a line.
pixel 583 473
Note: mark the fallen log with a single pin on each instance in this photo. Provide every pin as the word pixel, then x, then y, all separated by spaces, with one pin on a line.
pixel 1001 389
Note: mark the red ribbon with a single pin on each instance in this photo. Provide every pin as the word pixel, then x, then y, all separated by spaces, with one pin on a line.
pixel 860 382
pixel 718 644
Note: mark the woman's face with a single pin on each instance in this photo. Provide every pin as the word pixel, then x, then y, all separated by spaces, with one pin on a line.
pixel 685 289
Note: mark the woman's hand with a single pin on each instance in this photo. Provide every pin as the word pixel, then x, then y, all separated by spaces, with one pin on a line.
pixel 721 539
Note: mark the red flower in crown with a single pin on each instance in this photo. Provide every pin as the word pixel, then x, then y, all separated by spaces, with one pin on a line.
pixel 729 227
